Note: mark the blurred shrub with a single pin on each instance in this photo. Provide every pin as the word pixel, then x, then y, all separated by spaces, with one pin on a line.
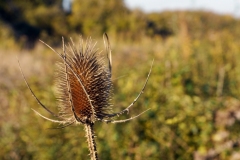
pixel 31 20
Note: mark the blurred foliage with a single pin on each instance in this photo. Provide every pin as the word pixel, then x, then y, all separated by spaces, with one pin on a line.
pixel 193 91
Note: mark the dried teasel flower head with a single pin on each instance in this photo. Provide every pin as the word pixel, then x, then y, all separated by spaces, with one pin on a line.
pixel 84 83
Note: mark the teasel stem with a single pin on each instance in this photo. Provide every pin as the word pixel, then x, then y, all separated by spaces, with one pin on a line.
pixel 91 140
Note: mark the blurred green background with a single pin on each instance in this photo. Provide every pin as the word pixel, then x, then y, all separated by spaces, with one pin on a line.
pixel 193 91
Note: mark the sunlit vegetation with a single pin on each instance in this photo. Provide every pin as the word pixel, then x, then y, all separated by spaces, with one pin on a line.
pixel 193 91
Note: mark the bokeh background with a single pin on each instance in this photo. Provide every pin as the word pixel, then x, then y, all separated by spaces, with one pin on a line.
pixel 193 92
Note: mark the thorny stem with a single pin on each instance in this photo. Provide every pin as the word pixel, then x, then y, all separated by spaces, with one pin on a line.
pixel 91 141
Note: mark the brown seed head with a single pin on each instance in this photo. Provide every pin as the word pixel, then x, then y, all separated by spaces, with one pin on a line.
pixel 84 84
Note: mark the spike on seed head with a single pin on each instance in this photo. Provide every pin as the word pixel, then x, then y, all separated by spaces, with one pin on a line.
pixel 84 84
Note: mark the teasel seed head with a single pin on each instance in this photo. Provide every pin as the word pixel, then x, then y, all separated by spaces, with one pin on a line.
pixel 84 83
pixel 85 86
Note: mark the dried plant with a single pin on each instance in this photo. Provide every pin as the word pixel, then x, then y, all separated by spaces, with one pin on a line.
pixel 85 88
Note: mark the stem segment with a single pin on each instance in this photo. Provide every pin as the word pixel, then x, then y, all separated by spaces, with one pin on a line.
pixel 91 141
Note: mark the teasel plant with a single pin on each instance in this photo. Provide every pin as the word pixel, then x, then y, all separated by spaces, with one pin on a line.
pixel 85 88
